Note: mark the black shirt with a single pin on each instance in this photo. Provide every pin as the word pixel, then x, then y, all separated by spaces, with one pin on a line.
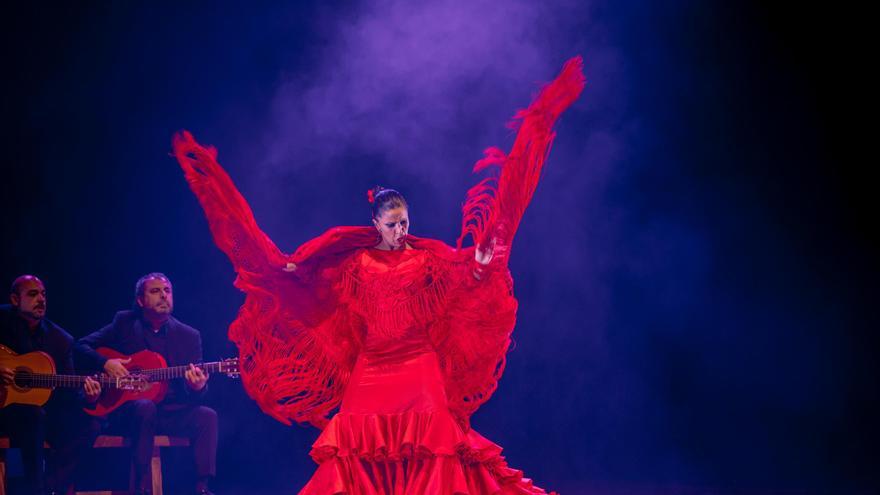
pixel 46 337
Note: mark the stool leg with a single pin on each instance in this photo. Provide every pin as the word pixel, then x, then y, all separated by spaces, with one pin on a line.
pixel 156 471
pixel 2 471
pixel 131 477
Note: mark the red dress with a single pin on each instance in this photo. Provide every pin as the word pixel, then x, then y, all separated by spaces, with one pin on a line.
pixel 406 344
pixel 394 432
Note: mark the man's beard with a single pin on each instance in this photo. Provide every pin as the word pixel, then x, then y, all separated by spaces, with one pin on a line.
pixel 36 313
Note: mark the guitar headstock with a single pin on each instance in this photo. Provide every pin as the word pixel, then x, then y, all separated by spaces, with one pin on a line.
pixel 229 367
pixel 134 383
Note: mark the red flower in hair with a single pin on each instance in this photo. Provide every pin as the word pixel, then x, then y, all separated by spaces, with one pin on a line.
pixel 370 197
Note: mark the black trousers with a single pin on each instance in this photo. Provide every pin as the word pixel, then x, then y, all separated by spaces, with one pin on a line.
pixel 69 431
pixel 142 419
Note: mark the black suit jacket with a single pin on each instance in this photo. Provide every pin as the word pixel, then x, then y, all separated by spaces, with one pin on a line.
pixel 127 333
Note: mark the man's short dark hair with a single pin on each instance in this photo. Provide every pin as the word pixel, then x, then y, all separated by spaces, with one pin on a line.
pixel 139 286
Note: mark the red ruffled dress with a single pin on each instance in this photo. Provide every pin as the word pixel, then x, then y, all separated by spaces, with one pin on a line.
pixel 394 432
pixel 396 348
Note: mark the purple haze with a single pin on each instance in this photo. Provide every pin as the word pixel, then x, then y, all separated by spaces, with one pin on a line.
pixel 408 95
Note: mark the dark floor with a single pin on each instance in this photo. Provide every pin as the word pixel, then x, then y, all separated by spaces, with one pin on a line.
pixel 109 472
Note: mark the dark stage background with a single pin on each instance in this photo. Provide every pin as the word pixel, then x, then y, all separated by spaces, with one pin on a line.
pixel 696 271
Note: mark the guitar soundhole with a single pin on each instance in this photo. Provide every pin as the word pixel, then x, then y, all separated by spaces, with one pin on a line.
pixel 22 380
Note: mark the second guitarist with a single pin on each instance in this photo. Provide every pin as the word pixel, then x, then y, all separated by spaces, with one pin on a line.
pixel 24 328
pixel 150 326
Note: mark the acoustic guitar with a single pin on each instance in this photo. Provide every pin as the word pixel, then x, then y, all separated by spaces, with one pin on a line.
pixel 152 368
pixel 34 379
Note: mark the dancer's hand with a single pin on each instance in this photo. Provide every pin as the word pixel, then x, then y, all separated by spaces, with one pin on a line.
pixel 290 267
pixel 484 254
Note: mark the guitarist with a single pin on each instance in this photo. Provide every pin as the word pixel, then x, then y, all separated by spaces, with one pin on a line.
pixel 24 328
pixel 150 326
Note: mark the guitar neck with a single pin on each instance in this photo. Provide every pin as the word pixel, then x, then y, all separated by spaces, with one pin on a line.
pixel 160 374
pixel 45 380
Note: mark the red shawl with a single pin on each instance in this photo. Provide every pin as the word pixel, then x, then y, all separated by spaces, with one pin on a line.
pixel 297 338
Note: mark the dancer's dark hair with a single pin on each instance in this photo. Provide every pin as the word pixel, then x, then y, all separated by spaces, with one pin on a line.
pixel 382 199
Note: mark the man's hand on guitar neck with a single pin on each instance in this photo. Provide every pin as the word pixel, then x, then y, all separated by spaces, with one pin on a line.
pixel 92 389
pixel 196 378
pixel 116 367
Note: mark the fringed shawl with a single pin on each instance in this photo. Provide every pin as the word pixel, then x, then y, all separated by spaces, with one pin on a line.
pixel 297 337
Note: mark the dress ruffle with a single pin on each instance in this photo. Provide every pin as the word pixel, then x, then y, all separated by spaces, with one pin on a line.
pixel 407 357
pixel 411 453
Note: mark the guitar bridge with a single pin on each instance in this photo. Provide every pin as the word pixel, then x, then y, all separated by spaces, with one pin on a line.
pixel 135 383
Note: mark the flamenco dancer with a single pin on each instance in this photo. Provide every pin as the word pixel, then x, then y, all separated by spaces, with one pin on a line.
pixel 407 336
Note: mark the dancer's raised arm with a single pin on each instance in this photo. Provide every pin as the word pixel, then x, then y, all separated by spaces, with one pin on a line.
pixel 474 334
pixel 494 207
pixel 295 349
pixel 230 218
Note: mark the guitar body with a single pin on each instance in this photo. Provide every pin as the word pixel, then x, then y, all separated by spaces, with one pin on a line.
pixel 111 399
pixel 33 362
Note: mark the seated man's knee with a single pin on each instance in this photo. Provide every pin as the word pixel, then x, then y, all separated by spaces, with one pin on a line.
pixel 92 428
pixel 205 416
pixel 143 410
pixel 26 415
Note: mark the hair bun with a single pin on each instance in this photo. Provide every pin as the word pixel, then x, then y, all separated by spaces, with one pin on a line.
pixel 382 199
pixel 372 193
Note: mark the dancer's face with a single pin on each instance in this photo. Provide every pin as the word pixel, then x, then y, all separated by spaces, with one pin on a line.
pixel 393 225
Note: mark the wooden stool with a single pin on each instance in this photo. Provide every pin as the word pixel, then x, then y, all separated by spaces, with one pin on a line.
pixel 4 446
pixel 110 441
pixel 159 441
